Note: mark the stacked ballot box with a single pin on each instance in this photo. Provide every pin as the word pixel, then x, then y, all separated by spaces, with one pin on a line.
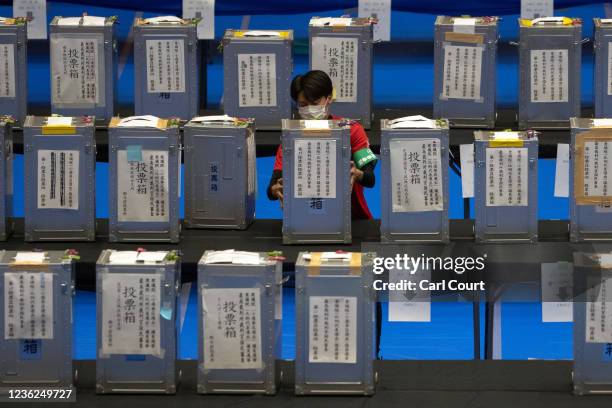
pixel 464 66
pixel 83 66
pixel 343 48
pixel 13 69
pixel 220 172
pixel 6 178
pixel 550 53
pixel 59 173
pixel 335 323
pixel 166 67
pixel 136 306
pixel 36 347
pixel 240 313
pixel 257 69
pixel 316 181
pixel 590 196
pixel 592 326
pixel 602 87
pixel 414 180
pixel 144 179
pixel 506 189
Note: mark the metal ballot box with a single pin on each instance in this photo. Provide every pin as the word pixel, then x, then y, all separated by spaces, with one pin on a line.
pixel 166 67
pixel 414 180
pixel 335 323
pixel 13 69
pixel 83 66
pixel 137 296
pixel 60 174
pixel 36 347
pixel 257 69
pixel 590 198
pixel 220 172
pixel 464 70
pixel 602 48
pixel 316 181
pixel 506 186
pixel 6 178
pixel 550 53
pixel 239 324
pixel 592 325
pixel 144 179
pixel 343 48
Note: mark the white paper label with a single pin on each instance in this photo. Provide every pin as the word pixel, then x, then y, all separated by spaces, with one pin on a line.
pixel 7 71
pixel 338 57
pixel 537 8
pixel 152 256
pixel 58 179
pixel 332 329
pixel 29 257
pixel 256 80
pixel 131 314
pixel 596 170
pixel 233 257
pixel 330 21
pixel 506 135
pixel 416 175
pixel 314 168
pixel 549 78
pixel 28 305
pixel 36 12
pixel 598 316
pixel 143 187
pixel 562 171
pixel 600 122
pixel 232 328
pixel 204 9
pixel 139 121
pixel 165 66
pixel 381 9
pixel 557 292
pixel 316 124
pixel 409 305
pixel 464 25
pixel 59 121
pixel 412 122
pixel 506 172
pixel 69 21
pixel 466 152
pixel 462 72
pixel 75 74
pixel 251 165
pixel 93 21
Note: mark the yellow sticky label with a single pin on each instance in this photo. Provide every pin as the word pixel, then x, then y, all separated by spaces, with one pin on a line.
pixel 58 130
pixel 506 143
pixel 525 22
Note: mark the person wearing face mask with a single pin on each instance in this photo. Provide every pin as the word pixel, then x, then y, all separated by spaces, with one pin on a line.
pixel 312 93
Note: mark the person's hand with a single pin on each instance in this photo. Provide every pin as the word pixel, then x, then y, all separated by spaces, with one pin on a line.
pixel 277 190
pixel 356 174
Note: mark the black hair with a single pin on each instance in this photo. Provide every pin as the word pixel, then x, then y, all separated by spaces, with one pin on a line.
pixel 313 85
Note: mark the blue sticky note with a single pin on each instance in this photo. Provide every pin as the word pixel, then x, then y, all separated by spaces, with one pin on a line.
pixel 134 153
pixel 607 352
pixel 30 349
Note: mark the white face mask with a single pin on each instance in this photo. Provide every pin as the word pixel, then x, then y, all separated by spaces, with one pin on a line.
pixel 316 112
